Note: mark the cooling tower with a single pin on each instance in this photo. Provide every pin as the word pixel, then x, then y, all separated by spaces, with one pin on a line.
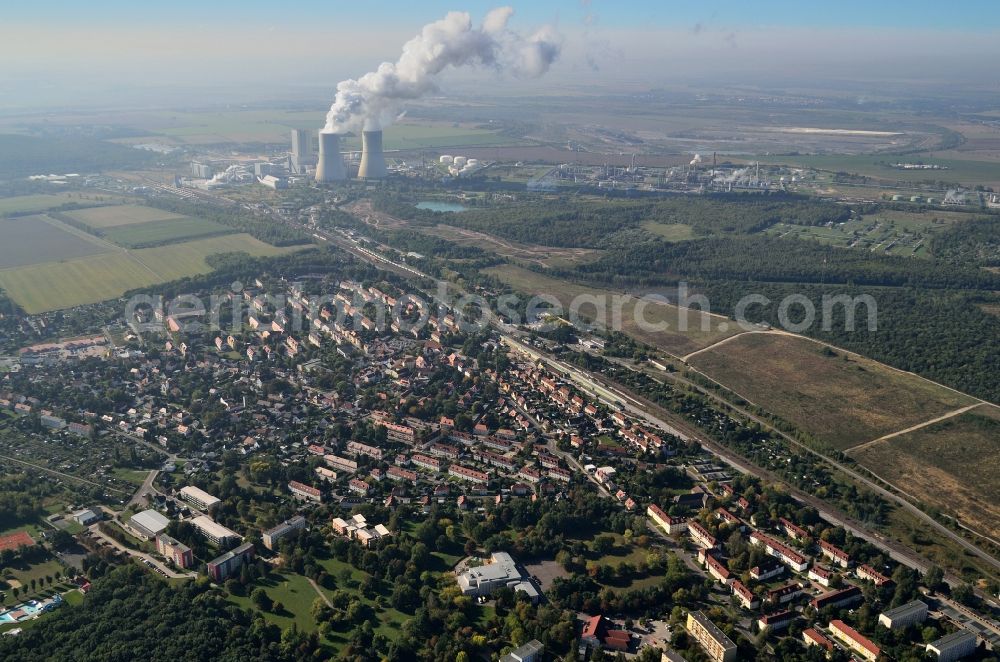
pixel 330 166
pixel 372 158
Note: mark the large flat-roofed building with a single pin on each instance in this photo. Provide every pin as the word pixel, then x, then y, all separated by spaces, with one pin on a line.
pixel 214 531
pixel 224 566
pixel 176 551
pixel 953 646
pixel 198 497
pixel 283 530
pixel 904 615
pixel 529 652
pixel 719 647
pixel 500 572
pixel 147 524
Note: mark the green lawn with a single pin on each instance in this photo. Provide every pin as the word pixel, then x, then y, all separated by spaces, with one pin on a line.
pixel 296 596
pixel 24 575
pixel 670 231
pixel 134 476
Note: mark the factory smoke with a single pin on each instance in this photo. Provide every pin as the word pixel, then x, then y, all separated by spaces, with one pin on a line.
pixel 373 101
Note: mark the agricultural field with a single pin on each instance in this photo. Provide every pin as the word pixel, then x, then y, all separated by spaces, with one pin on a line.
pixel 21 204
pixel 672 340
pixel 111 216
pixel 155 233
pixel 32 239
pixel 948 465
pixel 273 126
pixel 889 232
pixel 56 285
pixel 840 399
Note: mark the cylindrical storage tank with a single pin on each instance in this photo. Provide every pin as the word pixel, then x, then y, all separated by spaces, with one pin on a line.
pixel 446 158
pixel 460 161
pixel 330 165
pixel 472 162
pixel 372 159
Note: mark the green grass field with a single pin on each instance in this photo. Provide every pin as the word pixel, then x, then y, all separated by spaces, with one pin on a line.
pixel 949 465
pixel 670 231
pixel 115 215
pixel 161 232
pixel 296 596
pixel 840 401
pixel 56 285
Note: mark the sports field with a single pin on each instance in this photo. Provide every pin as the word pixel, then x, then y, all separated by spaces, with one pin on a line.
pixel 181 228
pixel 31 239
pixel 950 465
pixel 56 285
pixel 840 399
pixel 671 340
pixel 16 540
pixel 115 215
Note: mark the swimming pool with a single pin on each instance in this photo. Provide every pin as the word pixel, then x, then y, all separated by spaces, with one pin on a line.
pixel 30 609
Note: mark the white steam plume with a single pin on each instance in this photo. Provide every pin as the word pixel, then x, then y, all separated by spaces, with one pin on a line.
pixel 374 100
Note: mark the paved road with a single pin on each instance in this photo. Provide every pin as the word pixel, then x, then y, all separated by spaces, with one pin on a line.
pixel 654 415
pixel 140 555
pixel 639 407
pixel 146 487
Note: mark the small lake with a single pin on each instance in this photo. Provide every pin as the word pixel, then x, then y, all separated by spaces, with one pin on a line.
pixel 441 206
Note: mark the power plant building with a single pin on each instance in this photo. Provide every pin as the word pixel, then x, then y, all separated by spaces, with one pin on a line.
pixel 302 150
pixel 372 157
pixel 330 165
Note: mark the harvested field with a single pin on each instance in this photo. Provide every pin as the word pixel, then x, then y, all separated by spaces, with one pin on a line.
pixel 671 340
pixel 115 215
pixel 34 239
pixel 840 399
pixel 950 465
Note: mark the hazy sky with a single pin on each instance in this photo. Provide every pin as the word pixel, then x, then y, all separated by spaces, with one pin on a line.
pixel 85 52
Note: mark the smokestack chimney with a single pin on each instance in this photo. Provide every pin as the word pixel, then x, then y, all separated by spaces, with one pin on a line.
pixel 330 166
pixel 372 158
